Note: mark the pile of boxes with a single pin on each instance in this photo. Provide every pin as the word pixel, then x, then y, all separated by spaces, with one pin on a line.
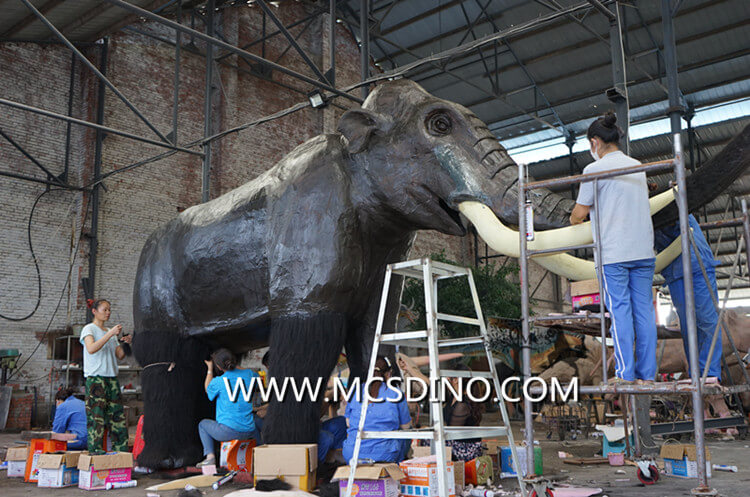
pixel 49 465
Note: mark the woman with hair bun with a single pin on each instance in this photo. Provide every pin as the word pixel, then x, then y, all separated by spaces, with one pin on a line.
pixel 627 240
pixel 101 350
pixel 234 418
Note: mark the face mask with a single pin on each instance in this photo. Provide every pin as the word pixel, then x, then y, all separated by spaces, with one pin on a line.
pixel 593 152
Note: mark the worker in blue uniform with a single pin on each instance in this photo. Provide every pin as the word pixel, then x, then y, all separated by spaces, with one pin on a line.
pixel 70 417
pixel 706 316
pixel 382 415
pixel 628 261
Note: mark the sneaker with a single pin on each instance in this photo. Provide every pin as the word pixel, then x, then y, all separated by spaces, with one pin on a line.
pixel 206 462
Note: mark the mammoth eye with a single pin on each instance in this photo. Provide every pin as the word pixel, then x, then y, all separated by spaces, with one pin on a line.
pixel 439 124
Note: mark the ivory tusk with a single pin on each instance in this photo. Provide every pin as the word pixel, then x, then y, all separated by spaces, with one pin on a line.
pixel 579 234
pixel 506 241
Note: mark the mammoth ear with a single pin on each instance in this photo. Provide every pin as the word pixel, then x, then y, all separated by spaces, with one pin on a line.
pixel 358 125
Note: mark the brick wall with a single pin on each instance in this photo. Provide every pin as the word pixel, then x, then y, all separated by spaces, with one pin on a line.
pixel 19 413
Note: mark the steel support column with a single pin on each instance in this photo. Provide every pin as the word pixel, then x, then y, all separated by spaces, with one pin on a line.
pixel 176 89
pixel 364 47
pixel 208 103
pixel 746 228
pixel 89 285
pixel 675 109
pixel 619 93
pixel 331 72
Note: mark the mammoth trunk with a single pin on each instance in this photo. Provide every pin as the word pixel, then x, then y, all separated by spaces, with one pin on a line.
pixel 713 177
pixel 550 209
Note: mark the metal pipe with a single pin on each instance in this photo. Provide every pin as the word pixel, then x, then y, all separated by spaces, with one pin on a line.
pixel 600 277
pixel 746 228
pixel 236 50
pixel 208 104
pixel 532 253
pixel 41 181
pixel 292 41
pixel 604 10
pixel 687 275
pixel 71 88
pixel 364 48
pixel 675 110
pixel 619 80
pixel 106 129
pixel 581 178
pixel 724 223
pixel 50 176
pixel 523 266
pixel 332 42
pixel 176 90
pixel 94 69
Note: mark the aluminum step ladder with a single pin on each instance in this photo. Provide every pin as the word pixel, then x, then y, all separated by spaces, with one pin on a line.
pixel 430 272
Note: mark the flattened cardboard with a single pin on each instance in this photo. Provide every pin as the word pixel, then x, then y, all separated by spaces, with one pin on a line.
pixel 370 472
pixel 17 453
pixel 105 461
pixel 55 459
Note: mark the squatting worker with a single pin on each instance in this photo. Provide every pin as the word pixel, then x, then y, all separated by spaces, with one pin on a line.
pixel 706 316
pixel 382 415
pixel 627 237
pixel 101 350
pixel 70 417
pixel 234 419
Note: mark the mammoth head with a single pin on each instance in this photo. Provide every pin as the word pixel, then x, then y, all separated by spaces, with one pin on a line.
pixel 423 155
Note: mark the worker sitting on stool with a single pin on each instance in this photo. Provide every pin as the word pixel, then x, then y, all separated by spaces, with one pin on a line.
pixel 381 415
pixel 706 316
pixel 628 261
pixel 70 417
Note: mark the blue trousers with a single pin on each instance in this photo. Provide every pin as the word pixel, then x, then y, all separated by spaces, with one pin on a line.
pixel 706 318
pixel 627 294
pixel 332 435
pixel 211 432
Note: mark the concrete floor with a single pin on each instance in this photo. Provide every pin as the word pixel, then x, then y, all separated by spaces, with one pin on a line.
pixel 735 452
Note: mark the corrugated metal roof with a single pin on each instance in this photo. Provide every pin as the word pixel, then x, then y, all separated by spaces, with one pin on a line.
pixel 79 20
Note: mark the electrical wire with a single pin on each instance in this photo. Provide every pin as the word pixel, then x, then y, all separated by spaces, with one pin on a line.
pixel 36 263
pixel 62 293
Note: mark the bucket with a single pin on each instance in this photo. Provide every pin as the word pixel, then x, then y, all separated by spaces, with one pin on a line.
pixel 616 458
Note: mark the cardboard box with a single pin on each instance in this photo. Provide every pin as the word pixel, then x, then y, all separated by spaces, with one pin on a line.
pixel 422 479
pixel 295 464
pixel 97 471
pixel 16 458
pixel 681 460
pixel 37 447
pixel 506 461
pixel 478 470
pixel 237 455
pixel 58 470
pixel 425 451
pixel 584 287
pixel 372 480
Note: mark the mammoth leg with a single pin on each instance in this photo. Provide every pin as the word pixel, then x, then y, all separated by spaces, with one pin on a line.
pixel 173 400
pixel 301 346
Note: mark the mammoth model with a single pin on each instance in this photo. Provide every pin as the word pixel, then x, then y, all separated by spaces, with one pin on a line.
pixel 295 258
